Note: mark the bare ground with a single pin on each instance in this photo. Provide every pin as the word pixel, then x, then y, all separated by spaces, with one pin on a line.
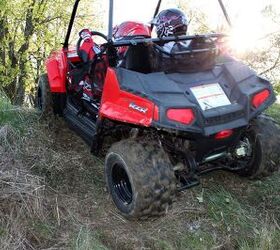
pixel 53 196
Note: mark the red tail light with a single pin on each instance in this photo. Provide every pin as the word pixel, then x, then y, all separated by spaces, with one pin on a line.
pixel 156 113
pixel 185 116
pixel 260 98
pixel 224 134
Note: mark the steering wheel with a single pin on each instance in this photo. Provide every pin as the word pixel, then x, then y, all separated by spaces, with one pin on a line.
pixel 94 33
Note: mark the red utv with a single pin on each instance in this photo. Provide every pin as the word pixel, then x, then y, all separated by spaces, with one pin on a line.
pixel 170 123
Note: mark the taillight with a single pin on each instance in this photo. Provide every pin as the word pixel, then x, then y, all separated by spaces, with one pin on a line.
pixel 260 98
pixel 156 113
pixel 224 134
pixel 185 116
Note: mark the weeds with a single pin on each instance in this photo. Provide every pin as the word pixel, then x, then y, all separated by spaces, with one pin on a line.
pixel 267 239
pixel 227 211
pixel 87 240
pixel 16 117
pixel 274 112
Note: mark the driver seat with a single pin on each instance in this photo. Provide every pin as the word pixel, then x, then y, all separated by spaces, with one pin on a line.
pixel 138 58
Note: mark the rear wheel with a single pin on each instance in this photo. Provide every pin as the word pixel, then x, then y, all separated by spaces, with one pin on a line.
pixel 257 152
pixel 140 178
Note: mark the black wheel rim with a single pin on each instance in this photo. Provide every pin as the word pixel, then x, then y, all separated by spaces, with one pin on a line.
pixel 121 184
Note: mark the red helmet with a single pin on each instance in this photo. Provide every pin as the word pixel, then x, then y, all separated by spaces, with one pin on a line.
pixel 170 22
pixel 128 30
pixel 131 29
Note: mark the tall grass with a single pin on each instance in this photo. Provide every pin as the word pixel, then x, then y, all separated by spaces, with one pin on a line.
pixel 17 117
pixel 21 195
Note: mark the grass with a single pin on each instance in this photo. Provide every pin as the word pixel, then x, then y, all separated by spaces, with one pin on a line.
pixel 44 230
pixel 274 111
pixel 8 113
pixel 87 240
pixel 53 196
pixel 17 118
pixel 229 214
pixel 268 192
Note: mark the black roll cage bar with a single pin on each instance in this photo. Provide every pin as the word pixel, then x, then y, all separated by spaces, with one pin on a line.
pixel 165 39
pixel 70 25
pixel 144 40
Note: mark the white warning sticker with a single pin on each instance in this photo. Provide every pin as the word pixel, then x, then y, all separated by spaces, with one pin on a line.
pixel 210 96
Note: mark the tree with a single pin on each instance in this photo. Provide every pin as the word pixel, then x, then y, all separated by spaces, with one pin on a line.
pixel 267 61
pixel 29 30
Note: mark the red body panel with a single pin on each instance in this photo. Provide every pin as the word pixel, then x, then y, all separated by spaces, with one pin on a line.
pixel 56 66
pixel 72 55
pixel 123 106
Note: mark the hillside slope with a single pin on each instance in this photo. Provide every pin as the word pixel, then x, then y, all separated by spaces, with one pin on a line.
pixel 53 196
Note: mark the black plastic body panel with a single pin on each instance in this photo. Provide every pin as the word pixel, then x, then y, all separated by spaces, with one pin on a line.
pixel 82 124
pixel 237 80
pixel 205 146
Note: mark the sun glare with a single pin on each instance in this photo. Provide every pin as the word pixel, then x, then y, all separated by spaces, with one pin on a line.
pixel 249 27
pixel 244 38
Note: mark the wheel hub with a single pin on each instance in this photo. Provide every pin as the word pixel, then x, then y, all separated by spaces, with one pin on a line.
pixel 121 184
pixel 244 148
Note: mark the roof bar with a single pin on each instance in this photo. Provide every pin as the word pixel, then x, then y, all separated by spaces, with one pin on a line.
pixel 165 39
pixel 225 12
pixel 111 16
pixel 156 12
pixel 66 42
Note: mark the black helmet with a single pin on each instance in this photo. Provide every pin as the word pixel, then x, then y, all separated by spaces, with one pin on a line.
pixel 170 22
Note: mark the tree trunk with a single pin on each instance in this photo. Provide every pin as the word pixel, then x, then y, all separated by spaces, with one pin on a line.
pixel 22 58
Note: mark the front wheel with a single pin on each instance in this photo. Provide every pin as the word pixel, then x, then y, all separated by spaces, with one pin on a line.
pixel 257 153
pixel 44 97
pixel 140 178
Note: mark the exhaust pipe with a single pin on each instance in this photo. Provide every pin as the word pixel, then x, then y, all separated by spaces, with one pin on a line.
pixel 215 157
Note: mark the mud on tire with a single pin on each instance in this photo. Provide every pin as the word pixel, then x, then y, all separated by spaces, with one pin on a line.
pixel 266 134
pixel 140 178
pixel 44 97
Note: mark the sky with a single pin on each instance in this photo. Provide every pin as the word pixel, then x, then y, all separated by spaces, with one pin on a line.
pixel 142 10
pixel 242 12
pixel 249 25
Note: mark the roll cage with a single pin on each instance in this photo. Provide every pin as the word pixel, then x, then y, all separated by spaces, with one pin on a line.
pixel 144 40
